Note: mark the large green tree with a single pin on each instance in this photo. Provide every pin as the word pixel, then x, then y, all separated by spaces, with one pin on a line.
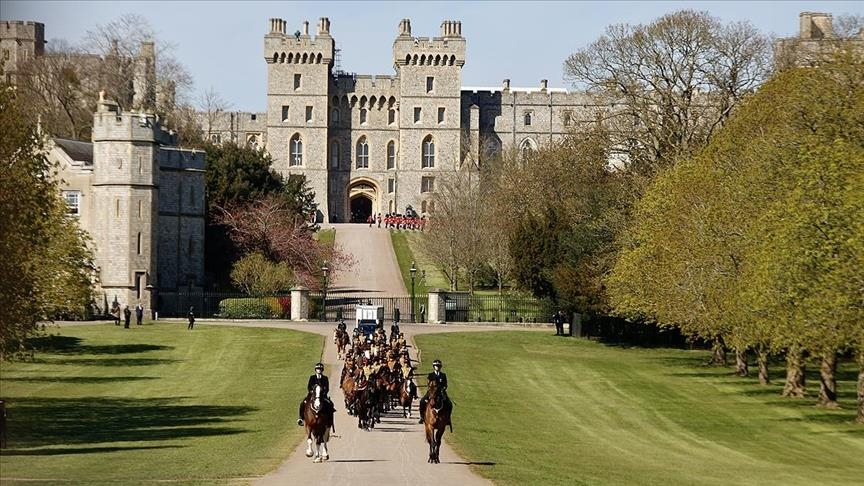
pixel 46 265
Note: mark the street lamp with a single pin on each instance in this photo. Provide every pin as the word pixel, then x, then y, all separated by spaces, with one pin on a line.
pixel 324 301
pixel 413 271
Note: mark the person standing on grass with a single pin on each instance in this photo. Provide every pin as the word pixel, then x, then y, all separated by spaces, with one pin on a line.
pixel 191 317
pixel 127 316
pixel 139 313
pixel 559 326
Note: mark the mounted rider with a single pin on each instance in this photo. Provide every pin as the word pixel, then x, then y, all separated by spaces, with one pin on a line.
pixel 440 378
pixel 318 379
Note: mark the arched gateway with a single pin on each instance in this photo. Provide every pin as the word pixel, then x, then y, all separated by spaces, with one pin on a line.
pixel 363 195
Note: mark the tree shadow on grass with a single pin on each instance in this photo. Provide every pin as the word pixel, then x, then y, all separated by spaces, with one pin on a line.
pixel 107 361
pixel 55 451
pixel 69 345
pixel 38 422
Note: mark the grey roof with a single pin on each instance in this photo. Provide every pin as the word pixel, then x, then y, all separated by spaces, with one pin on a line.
pixel 76 150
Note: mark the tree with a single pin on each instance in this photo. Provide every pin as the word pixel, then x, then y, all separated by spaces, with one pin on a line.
pixel 212 106
pixel 670 84
pixel 256 275
pixel 47 266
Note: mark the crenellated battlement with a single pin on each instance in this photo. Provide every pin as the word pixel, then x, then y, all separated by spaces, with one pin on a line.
pixel 446 50
pixel 299 47
pixel 110 123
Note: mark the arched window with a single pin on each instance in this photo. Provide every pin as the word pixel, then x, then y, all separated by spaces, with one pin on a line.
pixel 526 148
pixel 428 161
pixel 334 155
pixel 295 157
pixel 334 115
pixel 362 116
pixel 362 154
pixel 528 119
pixel 391 155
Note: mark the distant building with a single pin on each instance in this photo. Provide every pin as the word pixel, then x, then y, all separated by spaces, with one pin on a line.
pixel 372 144
pixel 816 41
pixel 142 201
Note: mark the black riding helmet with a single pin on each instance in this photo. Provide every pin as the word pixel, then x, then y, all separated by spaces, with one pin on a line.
pixel 436 363
pixel 319 367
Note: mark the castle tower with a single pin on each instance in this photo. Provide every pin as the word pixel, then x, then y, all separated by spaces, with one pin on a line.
pixel 430 77
pixel 125 201
pixel 298 83
pixel 144 79
pixel 19 42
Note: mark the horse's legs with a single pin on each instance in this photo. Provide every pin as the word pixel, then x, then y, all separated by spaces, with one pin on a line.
pixel 325 454
pixel 309 452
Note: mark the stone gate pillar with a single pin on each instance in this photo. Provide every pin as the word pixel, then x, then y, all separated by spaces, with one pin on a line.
pixel 300 303
pixel 436 310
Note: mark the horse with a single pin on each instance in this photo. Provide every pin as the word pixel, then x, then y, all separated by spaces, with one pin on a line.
pixel 318 418
pixel 406 398
pixel 341 339
pixel 436 419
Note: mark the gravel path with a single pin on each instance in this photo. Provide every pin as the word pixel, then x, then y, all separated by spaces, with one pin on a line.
pixel 375 272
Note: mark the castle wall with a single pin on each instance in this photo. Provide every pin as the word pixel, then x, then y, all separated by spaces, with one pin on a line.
pixel 19 42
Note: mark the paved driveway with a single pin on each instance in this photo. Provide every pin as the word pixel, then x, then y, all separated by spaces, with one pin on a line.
pixel 375 272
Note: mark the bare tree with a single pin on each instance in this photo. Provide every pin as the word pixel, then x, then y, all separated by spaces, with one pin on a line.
pixel 212 105
pixel 671 83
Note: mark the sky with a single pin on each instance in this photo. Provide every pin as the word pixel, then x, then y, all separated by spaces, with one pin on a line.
pixel 221 42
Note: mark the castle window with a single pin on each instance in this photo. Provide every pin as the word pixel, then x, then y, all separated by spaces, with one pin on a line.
pixel 285 113
pixel 526 148
pixel 362 154
pixel 295 157
pixel 391 186
pixel 362 116
pixel 391 155
pixel 139 243
pixel 428 161
pixel 430 83
pixel 334 115
pixel 252 142
pixel 216 138
pixel 308 114
pixel 117 207
pixel 417 113
pixel 334 155
pixel 427 184
pixel 140 209
pixel 73 202
pixel 253 116
pixel 296 81
pixel 567 117
pixel 440 114
pixel 528 119
pixel 391 116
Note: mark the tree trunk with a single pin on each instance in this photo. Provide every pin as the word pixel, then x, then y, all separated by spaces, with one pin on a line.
pixel 718 352
pixel 762 362
pixel 860 418
pixel 828 381
pixel 741 367
pixel 795 385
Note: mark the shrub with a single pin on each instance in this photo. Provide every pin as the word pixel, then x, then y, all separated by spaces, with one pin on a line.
pixel 248 308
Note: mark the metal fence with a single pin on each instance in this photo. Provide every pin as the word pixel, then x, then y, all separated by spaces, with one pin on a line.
pixel 458 307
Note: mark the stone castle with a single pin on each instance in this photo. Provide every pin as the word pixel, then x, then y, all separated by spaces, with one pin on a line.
pixel 367 144
pixel 142 201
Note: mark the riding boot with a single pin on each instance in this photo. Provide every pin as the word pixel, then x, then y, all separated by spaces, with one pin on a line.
pixel 422 410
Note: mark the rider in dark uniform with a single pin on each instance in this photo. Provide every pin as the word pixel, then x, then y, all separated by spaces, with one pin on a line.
pixel 319 378
pixel 438 376
pixel 341 326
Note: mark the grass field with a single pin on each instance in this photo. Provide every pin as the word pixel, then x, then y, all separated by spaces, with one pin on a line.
pixel 532 408
pixel 157 403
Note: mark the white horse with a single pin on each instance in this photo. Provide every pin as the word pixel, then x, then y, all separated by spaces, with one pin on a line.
pixel 318 424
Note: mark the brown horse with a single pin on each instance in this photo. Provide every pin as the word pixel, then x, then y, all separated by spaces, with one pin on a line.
pixel 341 339
pixel 406 398
pixel 436 419
pixel 318 418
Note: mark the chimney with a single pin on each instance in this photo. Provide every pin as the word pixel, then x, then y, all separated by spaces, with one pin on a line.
pixel 405 28
pixel 544 83
pixel 506 86
pixel 323 26
pixel 458 32
pixel 306 27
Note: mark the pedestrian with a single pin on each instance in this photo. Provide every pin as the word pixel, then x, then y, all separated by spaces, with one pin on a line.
pixel 191 317
pixel 422 313
pixel 559 327
pixel 127 316
pixel 139 313
pixel 379 220
pixel 115 312
pixel 396 316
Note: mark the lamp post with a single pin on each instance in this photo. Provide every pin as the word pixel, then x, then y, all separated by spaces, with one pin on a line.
pixel 413 271
pixel 324 301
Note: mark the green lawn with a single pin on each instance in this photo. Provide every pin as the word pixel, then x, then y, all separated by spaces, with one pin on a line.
pixel 157 403
pixel 532 408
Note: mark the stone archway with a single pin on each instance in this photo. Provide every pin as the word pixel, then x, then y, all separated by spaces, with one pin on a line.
pixel 362 200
